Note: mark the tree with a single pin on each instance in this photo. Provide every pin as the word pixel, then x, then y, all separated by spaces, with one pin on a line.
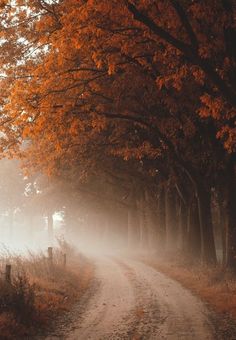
pixel 100 80
pixel 12 187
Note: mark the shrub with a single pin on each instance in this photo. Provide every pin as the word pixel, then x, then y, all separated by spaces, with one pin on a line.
pixel 18 298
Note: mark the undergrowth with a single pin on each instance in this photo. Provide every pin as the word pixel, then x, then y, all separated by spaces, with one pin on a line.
pixel 214 284
pixel 39 291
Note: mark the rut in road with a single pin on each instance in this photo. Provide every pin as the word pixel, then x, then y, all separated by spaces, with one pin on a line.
pixel 130 300
pixel 133 301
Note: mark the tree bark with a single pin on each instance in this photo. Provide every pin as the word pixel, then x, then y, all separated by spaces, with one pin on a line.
pixel 171 219
pixel 208 252
pixel 162 217
pixel 231 214
pixel 143 234
pixel 183 226
pixel 193 235
pixel 222 218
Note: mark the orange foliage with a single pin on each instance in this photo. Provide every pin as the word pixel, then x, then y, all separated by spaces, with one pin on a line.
pixel 83 70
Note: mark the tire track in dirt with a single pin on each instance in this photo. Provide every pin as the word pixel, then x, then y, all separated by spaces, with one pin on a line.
pixel 129 300
pixel 107 312
pixel 168 310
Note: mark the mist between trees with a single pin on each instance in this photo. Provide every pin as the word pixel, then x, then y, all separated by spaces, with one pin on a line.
pixel 128 110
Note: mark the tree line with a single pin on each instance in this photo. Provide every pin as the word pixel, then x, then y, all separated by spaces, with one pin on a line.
pixel 138 95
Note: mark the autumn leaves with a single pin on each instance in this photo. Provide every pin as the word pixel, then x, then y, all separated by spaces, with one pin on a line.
pixel 104 83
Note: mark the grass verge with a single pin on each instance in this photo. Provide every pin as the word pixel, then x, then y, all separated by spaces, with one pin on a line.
pixel 39 291
pixel 215 285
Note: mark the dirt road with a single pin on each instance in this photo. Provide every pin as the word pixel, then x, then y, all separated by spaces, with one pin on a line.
pixel 130 300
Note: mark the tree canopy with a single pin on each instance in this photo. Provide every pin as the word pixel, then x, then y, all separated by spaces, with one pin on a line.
pixel 142 90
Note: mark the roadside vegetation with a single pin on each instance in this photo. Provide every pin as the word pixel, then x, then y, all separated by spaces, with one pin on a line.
pixel 215 285
pixel 126 108
pixel 122 117
pixel 38 291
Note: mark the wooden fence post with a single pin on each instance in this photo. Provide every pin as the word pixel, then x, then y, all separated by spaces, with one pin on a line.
pixel 8 273
pixel 50 256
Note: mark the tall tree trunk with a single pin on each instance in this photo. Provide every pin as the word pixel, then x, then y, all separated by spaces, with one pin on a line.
pixel 151 216
pixel 208 251
pixel 223 226
pixel 133 225
pixel 221 217
pixel 183 226
pixel 143 235
pixel 194 234
pixel 162 217
pixel 171 219
pixel 231 214
pixel 50 228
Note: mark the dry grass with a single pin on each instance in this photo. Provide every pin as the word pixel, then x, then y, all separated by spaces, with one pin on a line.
pixel 38 291
pixel 213 284
pixel 139 312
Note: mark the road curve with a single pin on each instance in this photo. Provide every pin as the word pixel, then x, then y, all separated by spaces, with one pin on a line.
pixel 131 300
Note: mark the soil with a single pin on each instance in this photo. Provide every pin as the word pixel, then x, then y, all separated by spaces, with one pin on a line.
pixel 128 299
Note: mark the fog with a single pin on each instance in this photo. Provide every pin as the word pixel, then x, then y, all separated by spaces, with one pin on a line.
pixel 96 216
pixel 23 236
pixel 36 212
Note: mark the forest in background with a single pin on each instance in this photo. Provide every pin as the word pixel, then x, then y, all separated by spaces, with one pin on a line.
pixel 128 109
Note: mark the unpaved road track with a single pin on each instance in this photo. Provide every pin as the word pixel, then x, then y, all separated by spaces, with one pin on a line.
pixel 130 300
